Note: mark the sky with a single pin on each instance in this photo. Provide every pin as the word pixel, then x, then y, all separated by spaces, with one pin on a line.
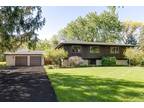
pixel 57 17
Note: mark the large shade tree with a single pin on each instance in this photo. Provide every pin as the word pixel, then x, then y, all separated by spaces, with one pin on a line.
pixel 131 32
pixel 104 27
pixel 18 25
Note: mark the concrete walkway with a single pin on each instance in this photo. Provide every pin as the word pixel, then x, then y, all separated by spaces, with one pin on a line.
pixel 25 84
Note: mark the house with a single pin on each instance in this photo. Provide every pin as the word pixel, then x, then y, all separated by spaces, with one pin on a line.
pixel 24 58
pixel 92 52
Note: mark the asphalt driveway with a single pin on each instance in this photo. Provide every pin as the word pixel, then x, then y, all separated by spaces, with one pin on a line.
pixel 25 84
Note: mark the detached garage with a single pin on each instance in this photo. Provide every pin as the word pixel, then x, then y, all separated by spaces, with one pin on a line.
pixel 25 58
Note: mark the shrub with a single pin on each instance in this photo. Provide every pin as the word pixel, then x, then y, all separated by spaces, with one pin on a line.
pixel 55 56
pixel 75 61
pixel 135 56
pixel 2 58
pixel 51 66
pixel 142 63
pixel 47 61
pixel 109 61
pixel 2 65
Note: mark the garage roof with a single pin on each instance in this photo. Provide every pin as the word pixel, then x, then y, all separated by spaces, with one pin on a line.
pixel 27 52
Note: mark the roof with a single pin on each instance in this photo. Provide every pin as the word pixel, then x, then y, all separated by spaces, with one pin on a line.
pixel 25 52
pixel 93 43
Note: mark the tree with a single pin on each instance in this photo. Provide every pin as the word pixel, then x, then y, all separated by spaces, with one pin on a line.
pixel 131 40
pixel 43 45
pixel 131 32
pixel 56 56
pixel 110 26
pixel 18 25
pixel 54 41
pixel 141 39
pixel 2 58
pixel 135 56
pixel 104 27
pixel 75 30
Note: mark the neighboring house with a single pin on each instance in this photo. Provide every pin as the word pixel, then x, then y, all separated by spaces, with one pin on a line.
pixel 92 52
pixel 24 58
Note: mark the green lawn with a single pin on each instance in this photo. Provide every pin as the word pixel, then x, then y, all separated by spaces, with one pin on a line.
pixel 98 83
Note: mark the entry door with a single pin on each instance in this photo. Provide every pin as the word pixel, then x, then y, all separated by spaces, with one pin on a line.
pixel 21 60
pixel 35 60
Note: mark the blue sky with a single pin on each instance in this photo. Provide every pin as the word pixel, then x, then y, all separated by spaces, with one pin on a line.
pixel 57 17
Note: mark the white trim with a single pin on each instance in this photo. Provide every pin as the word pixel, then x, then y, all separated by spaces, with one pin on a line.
pixel 10 60
pixel 98 62
pixel 28 60
pixel 122 62
pixel 42 60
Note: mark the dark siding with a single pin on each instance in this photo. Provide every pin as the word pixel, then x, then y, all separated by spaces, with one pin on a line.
pixel 104 51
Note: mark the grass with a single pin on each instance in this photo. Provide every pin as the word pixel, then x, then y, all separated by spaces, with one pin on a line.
pixel 103 84
pixel 2 65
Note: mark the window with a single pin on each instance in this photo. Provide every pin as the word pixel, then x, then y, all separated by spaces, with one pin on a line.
pixel 76 49
pixel 92 61
pixel 94 49
pixel 114 50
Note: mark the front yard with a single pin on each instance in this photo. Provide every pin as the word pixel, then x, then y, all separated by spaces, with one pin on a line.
pixel 98 83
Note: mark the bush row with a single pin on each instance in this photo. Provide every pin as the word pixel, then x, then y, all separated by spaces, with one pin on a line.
pixel 76 61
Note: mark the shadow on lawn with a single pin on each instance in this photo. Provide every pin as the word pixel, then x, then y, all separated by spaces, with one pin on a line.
pixel 84 88
pixel 25 87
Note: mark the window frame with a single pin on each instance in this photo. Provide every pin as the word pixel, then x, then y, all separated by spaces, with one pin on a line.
pixel 73 46
pixel 114 50
pixel 94 52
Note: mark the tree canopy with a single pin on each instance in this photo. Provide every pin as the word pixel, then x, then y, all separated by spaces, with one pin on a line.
pixel 43 45
pixel 18 25
pixel 131 31
pixel 104 27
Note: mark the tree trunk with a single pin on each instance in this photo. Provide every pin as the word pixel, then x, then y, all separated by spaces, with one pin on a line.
pixel 60 63
pixel 129 62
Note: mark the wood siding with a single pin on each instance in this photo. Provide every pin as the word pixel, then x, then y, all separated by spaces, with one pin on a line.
pixel 104 51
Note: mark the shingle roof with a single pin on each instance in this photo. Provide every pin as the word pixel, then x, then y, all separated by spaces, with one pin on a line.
pixel 92 43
